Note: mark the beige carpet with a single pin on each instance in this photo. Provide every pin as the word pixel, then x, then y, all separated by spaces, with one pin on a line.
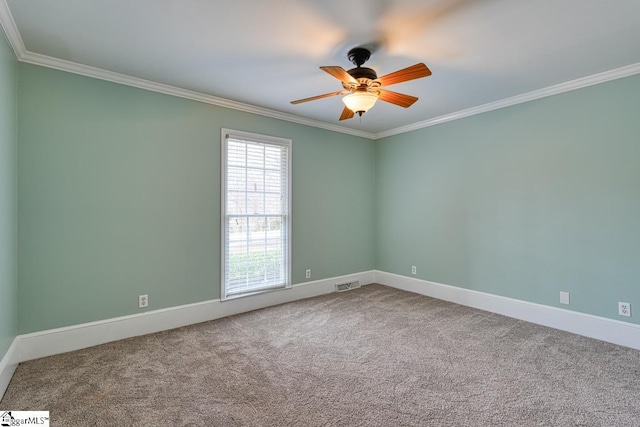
pixel 369 357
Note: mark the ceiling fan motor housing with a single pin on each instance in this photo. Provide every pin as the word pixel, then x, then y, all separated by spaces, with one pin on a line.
pixel 363 73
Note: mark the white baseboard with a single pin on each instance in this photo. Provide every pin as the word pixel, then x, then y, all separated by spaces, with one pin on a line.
pixel 600 328
pixel 61 340
pixel 8 365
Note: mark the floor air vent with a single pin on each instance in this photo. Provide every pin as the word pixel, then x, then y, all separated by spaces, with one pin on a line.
pixel 341 287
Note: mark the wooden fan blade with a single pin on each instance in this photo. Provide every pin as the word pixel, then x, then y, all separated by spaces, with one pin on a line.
pixel 400 99
pixel 346 114
pixel 313 98
pixel 414 72
pixel 340 74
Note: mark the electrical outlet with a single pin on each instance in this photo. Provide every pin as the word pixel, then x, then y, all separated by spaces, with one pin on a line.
pixel 624 309
pixel 307 274
pixel 414 270
pixel 564 298
pixel 143 301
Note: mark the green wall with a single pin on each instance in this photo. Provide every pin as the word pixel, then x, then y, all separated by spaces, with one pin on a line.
pixel 521 202
pixel 8 198
pixel 119 195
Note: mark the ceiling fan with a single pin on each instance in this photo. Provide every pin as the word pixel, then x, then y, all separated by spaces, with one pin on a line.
pixel 363 87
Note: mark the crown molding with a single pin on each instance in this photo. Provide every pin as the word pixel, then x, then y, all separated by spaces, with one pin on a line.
pixel 22 54
pixel 98 73
pixel 11 30
pixel 582 82
pixel 15 40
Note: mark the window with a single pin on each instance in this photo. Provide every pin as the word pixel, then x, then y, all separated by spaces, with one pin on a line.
pixel 256 213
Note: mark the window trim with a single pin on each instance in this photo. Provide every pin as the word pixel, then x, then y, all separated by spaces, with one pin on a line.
pixel 265 139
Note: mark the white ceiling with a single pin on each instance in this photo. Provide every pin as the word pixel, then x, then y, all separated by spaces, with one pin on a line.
pixel 267 53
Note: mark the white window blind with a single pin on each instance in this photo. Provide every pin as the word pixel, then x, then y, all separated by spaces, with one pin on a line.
pixel 256 220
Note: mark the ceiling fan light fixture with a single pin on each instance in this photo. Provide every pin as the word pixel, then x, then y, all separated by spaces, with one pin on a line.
pixel 360 102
